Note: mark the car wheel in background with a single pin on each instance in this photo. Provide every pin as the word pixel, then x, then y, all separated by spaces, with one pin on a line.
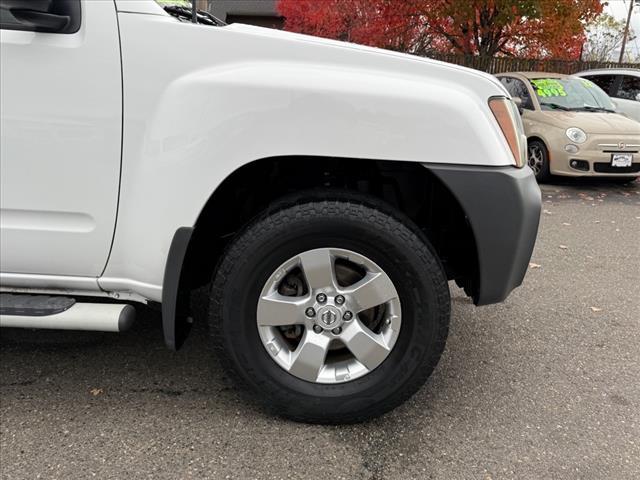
pixel 538 159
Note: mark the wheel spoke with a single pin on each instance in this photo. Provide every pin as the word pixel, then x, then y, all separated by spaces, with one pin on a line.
pixel 327 314
pixel 308 358
pixel 535 159
pixel 369 348
pixel 318 269
pixel 276 310
pixel 373 290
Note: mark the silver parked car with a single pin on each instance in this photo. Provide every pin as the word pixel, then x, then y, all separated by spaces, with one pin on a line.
pixel 622 84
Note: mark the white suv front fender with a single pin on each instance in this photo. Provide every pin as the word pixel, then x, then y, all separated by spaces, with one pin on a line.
pixel 201 102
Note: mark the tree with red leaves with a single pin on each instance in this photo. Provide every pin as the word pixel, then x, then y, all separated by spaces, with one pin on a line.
pixel 519 28
pixel 388 24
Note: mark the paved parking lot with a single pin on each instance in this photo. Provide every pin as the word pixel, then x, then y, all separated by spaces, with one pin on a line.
pixel 546 385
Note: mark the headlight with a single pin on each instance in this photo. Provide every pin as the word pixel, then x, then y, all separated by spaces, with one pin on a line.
pixel 510 123
pixel 576 135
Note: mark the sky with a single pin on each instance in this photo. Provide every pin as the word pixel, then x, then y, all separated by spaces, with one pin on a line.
pixel 619 9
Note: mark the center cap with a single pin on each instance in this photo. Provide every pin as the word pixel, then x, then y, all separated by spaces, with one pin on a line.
pixel 329 316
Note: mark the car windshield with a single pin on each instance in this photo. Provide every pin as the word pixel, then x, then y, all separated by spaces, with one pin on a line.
pixel 571 93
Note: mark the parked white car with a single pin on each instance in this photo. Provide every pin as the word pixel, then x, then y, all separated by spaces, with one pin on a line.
pixel 622 84
pixel 316 196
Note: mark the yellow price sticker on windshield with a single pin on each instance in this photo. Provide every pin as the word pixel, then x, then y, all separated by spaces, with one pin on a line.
pixel 549 87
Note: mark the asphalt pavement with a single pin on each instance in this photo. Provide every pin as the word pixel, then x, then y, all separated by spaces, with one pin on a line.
pixel 545 385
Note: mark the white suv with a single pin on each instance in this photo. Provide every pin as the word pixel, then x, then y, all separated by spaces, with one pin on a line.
pixel 316 195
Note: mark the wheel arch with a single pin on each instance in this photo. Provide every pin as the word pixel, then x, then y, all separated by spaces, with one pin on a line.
pixel 408 187
pixel 538 138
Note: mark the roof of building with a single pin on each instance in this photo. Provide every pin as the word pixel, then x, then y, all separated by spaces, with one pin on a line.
pixel 259 8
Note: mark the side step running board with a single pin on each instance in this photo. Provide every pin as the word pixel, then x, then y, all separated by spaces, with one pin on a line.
pixel 63 313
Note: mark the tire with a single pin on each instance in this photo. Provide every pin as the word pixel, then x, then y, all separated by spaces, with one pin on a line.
pixel 538 160
pixel 345 223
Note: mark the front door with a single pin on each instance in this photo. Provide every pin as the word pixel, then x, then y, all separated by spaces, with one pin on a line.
pixel 61 102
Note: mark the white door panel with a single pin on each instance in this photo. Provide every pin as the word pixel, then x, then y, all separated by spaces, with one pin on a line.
pixel 61 99
pixel 631 108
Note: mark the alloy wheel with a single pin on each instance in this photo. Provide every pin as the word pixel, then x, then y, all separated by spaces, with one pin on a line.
pixel 536 159
pixel 329 316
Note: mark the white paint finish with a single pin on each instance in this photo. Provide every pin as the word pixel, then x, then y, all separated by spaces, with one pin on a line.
pixel 104 317
pixel 47 282
pixel 200 102
pixel 193 115
pixel 74 286
pixel 128 288
pixel 60 146
pixel 44 221
pixel 630 108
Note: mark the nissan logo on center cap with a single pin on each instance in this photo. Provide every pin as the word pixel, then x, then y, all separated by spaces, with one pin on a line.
pixel 328 317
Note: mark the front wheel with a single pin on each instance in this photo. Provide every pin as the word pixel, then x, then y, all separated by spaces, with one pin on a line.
pixel 330 311
pixel 539 160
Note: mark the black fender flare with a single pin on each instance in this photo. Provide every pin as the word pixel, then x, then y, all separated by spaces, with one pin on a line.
pixel 176 322
pixel 503 206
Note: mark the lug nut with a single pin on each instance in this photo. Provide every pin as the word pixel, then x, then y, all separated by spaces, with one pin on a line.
pixel 337 331
pixel 310 312
pixel 317 328
pixel 339 300
pixel 347 316
pixel 321 298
